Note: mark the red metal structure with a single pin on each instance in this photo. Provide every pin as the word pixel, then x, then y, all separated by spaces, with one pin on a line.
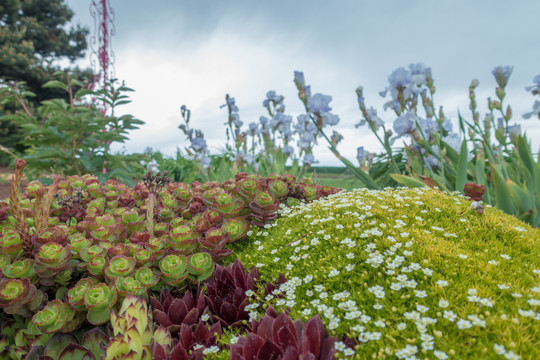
pixel 102 56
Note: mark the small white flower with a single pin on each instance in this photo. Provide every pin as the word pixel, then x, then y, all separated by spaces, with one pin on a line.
pixel 420 294
pixel 443 303
pixel 516 295
pixel 442 283
pixel 350 256
pixel 462 256
pixel 503 286
pixel 449 315
pixel 401 326
pixel 259 265
pixel 441 355
pixel 499 349
pixel 534 302
pixel 493 262
pixel 510 355
pixel 205 317
pixel 464 324
pixel 276 259
pixel 349 267
pixel 333 273
pixel 380 323
pixel 377 306
pixel 211 350
pixel 504 256
pixel 422 308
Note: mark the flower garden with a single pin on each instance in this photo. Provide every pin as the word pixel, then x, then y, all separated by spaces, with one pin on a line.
pixel 241 255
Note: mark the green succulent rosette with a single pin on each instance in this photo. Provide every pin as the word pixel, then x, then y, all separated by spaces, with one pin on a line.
pixel 78 242
pixel 227 205
pixel 182 240
pixel 174 269
pixel 109 233
pixel 278 188
pixel 51 260
pixel 156 247
pixel 143 257
pixel 20 269
pixel 105 220
pixel 99 300
pixel 310 192
pixel 10 243
pixel 97 265
pixel 95 250
pixel 19 297
pixel 247 188
pixel 129 285
pixel 200 267
pixel 237 228
pixel 54 317
pixel 133 221
pixel 147 277
pixel 119 266
pixel 75 295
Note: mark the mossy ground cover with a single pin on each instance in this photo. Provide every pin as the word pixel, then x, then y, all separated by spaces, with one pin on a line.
pixel 408 273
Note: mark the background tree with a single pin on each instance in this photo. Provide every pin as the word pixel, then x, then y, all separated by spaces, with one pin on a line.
pixel 36 40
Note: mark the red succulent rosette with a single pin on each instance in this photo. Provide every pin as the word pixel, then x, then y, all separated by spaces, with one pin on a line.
pixel 474 191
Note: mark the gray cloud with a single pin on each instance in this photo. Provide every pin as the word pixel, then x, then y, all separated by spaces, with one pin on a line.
pixel 339 44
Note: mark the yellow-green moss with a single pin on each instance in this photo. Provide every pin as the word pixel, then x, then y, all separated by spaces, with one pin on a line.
pixel 440 238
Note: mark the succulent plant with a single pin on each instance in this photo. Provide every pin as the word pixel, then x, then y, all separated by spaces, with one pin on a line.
pixel 54 317
pixel 51 260
pixel 11 243
pixel 133 221
pixel 20 297
pixel 147 277
pixel 277 337
pixel 67 347
pixel 200 267
pixel 473 191
pixel 237 228
pixel 213 243
pixel 20 269
pixel 174 269
pixel 278 189
pixel 99 300
pixel 264 208
pixel 76 294
pixel 182 240
pixel 171 311
pixel 227 205
pixel 226 293
pixel 119 266
pixel 133 332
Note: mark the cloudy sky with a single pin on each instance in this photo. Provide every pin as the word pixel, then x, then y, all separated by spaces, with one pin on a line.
pixel 175 52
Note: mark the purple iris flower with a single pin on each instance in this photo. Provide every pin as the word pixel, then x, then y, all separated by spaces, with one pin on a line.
pixel 405 123
pixel 502 74
pixel 318 103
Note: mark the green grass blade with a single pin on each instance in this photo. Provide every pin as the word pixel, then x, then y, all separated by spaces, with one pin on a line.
pixel 461 176
pixel 408 181
pixel 502 193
